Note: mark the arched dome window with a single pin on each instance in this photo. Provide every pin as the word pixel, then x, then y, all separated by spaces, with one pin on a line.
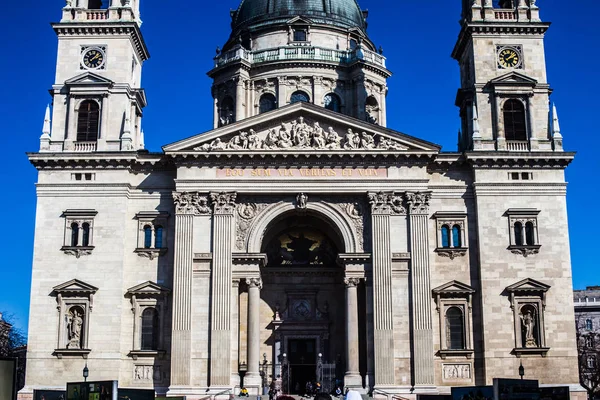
pixel 332 102
pixel 226 111
pixel 514 120
pixel 88 121
pixel 299 96
pixel 267 102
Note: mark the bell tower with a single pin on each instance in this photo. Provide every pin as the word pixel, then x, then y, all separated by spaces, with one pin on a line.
pixel 97 94
pixel 504 95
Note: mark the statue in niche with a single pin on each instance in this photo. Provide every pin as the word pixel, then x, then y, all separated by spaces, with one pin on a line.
pixel 528 322
pixel 74 327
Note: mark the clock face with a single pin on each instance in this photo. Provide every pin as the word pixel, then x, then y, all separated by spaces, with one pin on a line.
pixel 509 58
pixel 93 58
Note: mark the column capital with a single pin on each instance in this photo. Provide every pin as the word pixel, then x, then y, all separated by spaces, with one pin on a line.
pixel 352 281
pixel 418 203
pixel 193 203
pixel 235 283
pixel 254 282
pixel 223 202
pixel 386 203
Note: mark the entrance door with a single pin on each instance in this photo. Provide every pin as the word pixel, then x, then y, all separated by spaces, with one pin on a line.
pixel 302 356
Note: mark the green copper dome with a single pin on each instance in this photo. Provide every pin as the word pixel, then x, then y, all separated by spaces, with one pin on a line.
pixel 262 13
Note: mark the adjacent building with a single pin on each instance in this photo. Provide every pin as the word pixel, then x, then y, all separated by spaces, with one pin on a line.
pixel 301 239
pixel 587 320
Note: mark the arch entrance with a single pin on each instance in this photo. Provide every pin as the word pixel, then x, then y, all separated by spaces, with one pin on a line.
pixel 303 284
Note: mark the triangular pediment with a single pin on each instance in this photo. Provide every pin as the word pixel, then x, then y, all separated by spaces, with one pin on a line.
pixel 148 288
pixel 528 285
pixel 88 78
pixel 513 78
pixel 302 128
pixel 75 286
pixel 454 287
pixel 299 21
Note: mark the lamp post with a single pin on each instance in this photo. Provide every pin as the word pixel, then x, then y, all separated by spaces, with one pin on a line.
pixel 521 370
pixel 86 372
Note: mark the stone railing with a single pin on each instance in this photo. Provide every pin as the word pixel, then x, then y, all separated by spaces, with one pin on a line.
pixel 517 145
pixel 84 147
pixel 287 53
pixel 111 14
pixel 94 15
pixel 503 15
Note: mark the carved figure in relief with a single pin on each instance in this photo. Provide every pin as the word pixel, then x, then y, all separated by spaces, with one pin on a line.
pixel 285 139
pixel 74 329
pixel 352 140
pixel 318 136
pixel 302 200
pixel 272 140
pixel 253 140
pixel 333 139
pixel 367 141
pixel 239 142
pixel 528 321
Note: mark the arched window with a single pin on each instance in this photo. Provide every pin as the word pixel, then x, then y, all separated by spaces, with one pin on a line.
pixel 267 102
pixel 299 96
pixel 514 120
pixel 149 339
pixel 445 236
pixel 591 362
pixel 85 237
pixel 226 111
pixel 147 236
pixel 88 121
pixel 332 102
pixel 529 234
pixel 589 341
pixel 455 329
pixel 158 237
pixel 456 236
pixel 589 325
pixel 518 234
pixel 74 234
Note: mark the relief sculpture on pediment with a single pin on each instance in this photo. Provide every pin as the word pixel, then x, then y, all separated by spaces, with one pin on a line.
pixel 302 135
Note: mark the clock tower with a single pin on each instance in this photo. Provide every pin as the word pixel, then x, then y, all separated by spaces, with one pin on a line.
pixel 97 95
pixel 504 95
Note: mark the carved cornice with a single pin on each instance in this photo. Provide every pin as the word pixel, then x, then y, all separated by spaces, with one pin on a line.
pixel 223 202
pixel 191 203
pixel 386 203
pixel 418 203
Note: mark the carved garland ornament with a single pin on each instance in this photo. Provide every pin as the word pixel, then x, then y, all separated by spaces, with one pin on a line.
pixel 299 135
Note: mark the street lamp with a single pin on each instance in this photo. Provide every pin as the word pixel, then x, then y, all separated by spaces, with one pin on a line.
pixel 521 370
pixel 86 372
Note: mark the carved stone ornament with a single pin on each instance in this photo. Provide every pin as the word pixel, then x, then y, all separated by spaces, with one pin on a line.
pixel 247 211
pixel 77 251
pixel 456 372
pixel 191 203
pixel 254 282
pixel 300 135
pixel 301 201
pixel 351 282
pixel 525 251
pixel 418 203
pixel 386 203
pixel 224 202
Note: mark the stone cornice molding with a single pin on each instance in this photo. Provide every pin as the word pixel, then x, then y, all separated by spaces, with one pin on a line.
pixel 190 203
pixel 418 203
pixel 224 202
pixel 386 203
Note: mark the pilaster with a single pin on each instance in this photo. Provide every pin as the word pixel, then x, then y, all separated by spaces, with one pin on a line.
pixel 220 351
pixel 418 208
pixel 186 207
pixel 381 208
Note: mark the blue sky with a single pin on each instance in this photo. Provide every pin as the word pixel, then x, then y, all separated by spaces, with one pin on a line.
pixel 416 37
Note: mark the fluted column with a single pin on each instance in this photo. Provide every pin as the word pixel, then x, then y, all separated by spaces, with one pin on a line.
pixel 235 331
pixel 352 378
pixel 418 207
pixel 252 377
pixel 381 209
pixel 220 343
pixel 187 205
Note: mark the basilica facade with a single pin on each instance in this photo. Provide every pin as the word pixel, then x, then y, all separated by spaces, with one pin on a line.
pixel 301 239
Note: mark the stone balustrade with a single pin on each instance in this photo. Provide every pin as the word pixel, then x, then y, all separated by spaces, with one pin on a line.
pixel 110 15
pixel 503 15
pixel 287 53
pixel 517 145
pixel 84 147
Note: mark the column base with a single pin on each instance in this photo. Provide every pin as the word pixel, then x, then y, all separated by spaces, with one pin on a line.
pixel 253 382
pixel 353 380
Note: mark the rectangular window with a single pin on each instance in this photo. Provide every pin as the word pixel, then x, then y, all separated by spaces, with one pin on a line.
pixel 300 35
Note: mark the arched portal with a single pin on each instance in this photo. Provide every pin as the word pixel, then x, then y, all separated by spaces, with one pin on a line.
pixel 303 301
